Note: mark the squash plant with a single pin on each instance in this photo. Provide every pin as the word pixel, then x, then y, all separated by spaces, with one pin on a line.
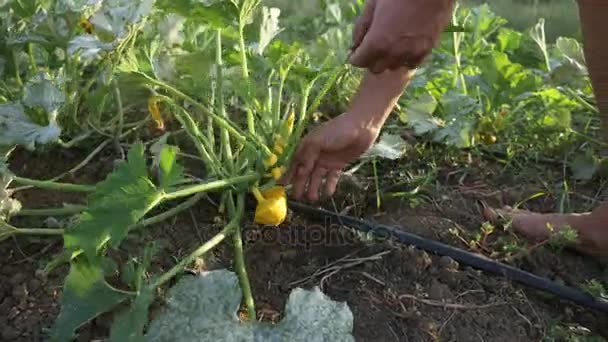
pixel 244 133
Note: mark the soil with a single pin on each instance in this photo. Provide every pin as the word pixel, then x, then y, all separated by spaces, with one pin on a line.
pixel 396 293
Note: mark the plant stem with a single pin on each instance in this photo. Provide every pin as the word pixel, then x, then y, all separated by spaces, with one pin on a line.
pixel 30 52
pixel 214 185
pixel 17 70
pixel 169 213
pixel 121 114
pixel 54 186
pixel 67 210
pixel 239 257
pixel 221 108
pixel 206 247
pixel 39 231
pixel 239 135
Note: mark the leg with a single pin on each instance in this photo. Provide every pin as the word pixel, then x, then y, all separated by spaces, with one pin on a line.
pixel 592 228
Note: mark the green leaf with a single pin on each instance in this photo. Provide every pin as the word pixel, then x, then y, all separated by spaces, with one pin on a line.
pixel 85 296
pixel 115 17
pixel 390 146
pixel 170 171
pixel 217 14
pixel 269 28
pixel 460 117
pixel 88 47
pixel 41 92
pixel 419 114
pixel 120 201
pixel 129 325
pixel 17 129
pixel 508 40
pixel 203 308
pixel 584 166
pixel 572 50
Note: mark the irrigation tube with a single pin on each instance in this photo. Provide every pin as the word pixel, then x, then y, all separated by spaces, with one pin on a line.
pixel 474 260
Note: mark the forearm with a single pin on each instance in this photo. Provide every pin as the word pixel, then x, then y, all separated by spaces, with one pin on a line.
pixel 378 94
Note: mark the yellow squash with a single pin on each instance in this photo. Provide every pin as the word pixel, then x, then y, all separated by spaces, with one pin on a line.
pixel 272 206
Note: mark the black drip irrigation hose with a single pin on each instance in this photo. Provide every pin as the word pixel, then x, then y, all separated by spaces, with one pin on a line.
pixel 474 260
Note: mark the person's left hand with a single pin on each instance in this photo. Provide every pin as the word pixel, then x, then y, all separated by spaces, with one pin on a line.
pixel 323 153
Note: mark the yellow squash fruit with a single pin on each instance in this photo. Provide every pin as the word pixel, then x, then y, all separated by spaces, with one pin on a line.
pixel 154 109
pixel 272 206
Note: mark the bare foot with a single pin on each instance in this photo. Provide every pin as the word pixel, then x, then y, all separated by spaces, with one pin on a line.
pixel 591 228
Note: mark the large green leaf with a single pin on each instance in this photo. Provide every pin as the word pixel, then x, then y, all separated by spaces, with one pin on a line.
pixel 17 129
pixel 214 13
pixel 203 308
pixel 85 296
pixel 120 201
pixel 419 114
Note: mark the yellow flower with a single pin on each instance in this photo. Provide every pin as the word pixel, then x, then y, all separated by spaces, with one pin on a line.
pixel 272 206
pixel 86 25
pixel 277 172
pixel 154 109
pixel 271 161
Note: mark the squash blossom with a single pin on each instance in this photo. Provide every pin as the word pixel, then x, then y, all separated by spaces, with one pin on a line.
pixel 272 206
pixel 154 109
pixel 86 25
pixel 280 143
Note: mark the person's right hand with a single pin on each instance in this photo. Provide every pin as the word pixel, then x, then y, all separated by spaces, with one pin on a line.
pixel 395 33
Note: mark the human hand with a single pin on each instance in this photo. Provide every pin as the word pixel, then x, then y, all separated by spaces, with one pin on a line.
pixel 395 33
pixel 324 152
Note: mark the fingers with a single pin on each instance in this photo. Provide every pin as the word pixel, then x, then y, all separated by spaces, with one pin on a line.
pixel 368 52
pixel 315 184
pixel 362 24
pixel 331 182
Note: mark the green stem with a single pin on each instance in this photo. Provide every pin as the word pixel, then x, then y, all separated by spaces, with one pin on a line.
pixel 239 135
pixel 39 231
pixel 245 71
pixel 67 210
pixel 203 249
pixel 17 70
pixel 121 114
pixel 169 213
pixel 30 53
pixel 215 185
pixel 239 257
pixel 221 108
pixel 243 52
pixel 200 141
pixel 54 186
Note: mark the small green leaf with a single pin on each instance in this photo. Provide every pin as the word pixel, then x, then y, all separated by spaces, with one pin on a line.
pixel 584 166
pixel 42 92
pixel 120 201
pixel 170 171
pixel 390 146
pixel 85 296
pixel 269 28
pixel 508 40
